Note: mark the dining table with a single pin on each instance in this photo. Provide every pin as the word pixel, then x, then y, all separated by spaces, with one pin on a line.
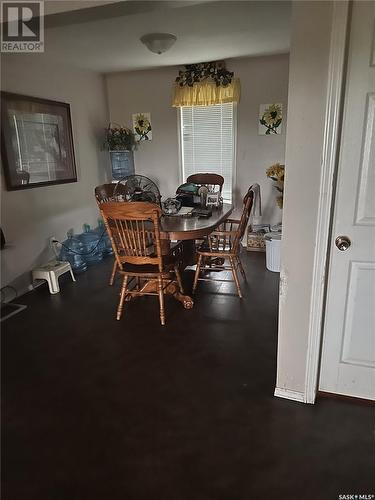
pixel 191 228
pixel 186 230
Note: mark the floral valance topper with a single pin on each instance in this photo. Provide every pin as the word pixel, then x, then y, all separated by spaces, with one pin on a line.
pixel 196 73
pixel 205 84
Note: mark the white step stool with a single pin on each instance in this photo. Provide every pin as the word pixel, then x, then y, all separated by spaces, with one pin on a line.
pixel 51 272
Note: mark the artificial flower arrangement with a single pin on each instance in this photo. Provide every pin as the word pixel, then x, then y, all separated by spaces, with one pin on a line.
pixel 119 138
pixel 195 73
pixel 276 172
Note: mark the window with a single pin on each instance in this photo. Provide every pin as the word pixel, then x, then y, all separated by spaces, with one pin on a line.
pixel 207 142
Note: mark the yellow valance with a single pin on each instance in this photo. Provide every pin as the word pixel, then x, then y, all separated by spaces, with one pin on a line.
pixel 206 93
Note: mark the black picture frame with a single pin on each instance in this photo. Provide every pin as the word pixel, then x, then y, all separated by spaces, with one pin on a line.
pixel 36 142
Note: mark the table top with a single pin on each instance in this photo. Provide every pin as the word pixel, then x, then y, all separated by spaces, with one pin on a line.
pixel 191 228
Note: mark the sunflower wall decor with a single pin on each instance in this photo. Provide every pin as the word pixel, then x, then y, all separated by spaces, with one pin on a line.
pixel 142 127
pixel 270 119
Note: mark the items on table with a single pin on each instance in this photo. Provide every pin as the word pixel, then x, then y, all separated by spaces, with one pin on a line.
pixel 193 195
pixel 187 194
pixel 171 206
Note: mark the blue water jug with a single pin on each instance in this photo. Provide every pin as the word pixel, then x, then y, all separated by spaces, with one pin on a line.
pixel 105 243
pixel 90 241
pixel 71 251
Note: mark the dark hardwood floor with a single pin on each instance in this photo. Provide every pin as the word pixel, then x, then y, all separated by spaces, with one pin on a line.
pixel 99 409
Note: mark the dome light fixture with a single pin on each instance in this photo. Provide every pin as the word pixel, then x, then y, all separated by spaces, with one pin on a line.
pixel 158 42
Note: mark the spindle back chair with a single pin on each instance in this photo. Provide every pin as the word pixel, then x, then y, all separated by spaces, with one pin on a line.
pixel 134 230
pixel 103 194
pixel 212 181
pixel 224 243
pixel 106 192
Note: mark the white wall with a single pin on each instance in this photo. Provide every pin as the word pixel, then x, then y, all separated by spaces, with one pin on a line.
pixel 310 44
pixel 263 80
pixel 31 216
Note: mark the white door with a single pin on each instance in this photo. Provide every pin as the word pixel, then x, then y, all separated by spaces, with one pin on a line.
pixel 348 354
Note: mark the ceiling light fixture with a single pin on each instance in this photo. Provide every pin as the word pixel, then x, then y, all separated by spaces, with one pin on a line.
pixel 158 42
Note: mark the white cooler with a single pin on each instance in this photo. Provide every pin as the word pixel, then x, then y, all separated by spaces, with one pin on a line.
pixel 273 251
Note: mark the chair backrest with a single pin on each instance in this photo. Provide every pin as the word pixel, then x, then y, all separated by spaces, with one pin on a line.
pixel 229 237
pixel 210 180
pixel 248 193
pixel 105 192
pixel 247 206
pixel 134 230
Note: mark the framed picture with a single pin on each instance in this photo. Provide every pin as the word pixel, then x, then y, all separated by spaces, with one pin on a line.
pixel 270 119
pixel 213 199
pixel 36 142
pixel 142 126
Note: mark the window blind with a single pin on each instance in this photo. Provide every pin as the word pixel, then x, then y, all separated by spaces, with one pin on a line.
pixel 207 142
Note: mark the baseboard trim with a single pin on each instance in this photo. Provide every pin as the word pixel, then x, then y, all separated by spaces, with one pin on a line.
pixel 288 394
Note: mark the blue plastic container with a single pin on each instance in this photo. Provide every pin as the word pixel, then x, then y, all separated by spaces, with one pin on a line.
pixel 105 242
pixel 122 163
pixel 71 251
pixel 91 246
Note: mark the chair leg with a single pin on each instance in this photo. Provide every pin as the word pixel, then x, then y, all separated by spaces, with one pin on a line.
pixel 179 280
pixel 122 297
pixel 242 271
pixel 161 300
pixel 197 271
pixel 235 276
pixel 113 274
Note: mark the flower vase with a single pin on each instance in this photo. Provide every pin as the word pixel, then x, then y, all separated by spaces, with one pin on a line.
pixel 122 164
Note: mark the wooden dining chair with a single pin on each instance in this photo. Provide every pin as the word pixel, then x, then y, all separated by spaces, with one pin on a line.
pixel 224 244
pixel 103 194
pixel 134 229
pixel 106 192
pixel 212 181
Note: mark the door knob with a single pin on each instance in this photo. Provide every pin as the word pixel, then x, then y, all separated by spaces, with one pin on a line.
pixel 343 243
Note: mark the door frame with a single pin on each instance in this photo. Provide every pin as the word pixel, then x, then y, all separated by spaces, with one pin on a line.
pixel 330 154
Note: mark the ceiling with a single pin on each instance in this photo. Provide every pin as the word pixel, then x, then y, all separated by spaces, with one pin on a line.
pixel 105 37
pixel 57 6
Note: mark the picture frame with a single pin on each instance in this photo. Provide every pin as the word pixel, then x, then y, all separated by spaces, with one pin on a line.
pixel 270 120
pixel 142 126
pixel 36 142
pixel 213 199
